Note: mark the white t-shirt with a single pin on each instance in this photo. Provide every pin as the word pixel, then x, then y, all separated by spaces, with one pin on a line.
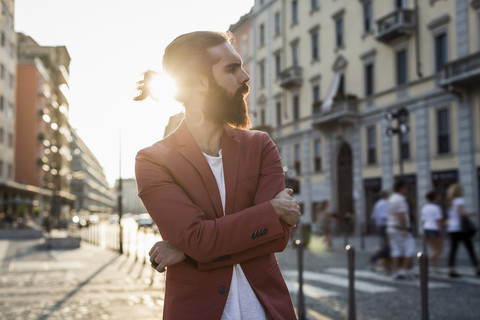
pixel 430 214
pixel 242 303
pixel 397 204
pixel 454 224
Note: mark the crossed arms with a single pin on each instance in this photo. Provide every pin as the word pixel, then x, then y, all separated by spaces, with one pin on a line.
pixel 214 243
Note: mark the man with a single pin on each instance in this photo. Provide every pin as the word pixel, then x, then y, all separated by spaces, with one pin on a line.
pixel 380 215
pixel 216 193
pixel 402 244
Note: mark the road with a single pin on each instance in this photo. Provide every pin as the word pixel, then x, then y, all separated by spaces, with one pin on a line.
pixel 377 294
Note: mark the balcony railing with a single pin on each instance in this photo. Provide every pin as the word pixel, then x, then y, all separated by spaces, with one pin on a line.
pixel 400 22
pixel 462 72
pixel 342 111
pixel 291 77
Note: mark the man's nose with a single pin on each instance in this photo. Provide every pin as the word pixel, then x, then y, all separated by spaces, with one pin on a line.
pixel 245 77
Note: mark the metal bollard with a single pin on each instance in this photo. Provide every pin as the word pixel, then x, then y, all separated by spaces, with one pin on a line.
pixel 300 297
pixel 423 264
pixel 351 282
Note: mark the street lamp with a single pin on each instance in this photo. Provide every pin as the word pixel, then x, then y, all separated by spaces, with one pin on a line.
pixel 401 129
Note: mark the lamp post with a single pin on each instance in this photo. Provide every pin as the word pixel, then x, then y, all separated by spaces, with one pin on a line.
pixel 402 128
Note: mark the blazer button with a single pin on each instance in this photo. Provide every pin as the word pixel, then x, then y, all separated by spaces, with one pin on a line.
pixel 222 289
pixel 265 231
pixel 257 233
pixel 254 235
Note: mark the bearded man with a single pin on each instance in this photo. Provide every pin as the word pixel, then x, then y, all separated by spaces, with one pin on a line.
pixel 216 192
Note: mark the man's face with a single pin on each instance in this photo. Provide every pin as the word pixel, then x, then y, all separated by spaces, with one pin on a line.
pixel 228 88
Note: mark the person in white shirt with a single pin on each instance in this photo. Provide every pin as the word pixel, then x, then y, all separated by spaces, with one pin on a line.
pixel 456 210
pixel 431 218
pixel 402 244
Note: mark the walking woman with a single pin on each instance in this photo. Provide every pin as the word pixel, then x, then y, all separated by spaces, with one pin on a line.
pixel 456 210
pixel 432 228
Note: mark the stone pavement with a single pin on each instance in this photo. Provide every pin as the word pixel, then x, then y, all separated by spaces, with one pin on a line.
pixel 85 283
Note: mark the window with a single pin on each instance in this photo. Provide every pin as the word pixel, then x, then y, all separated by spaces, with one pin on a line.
pixel 313 5
pixel 400 4
pixel 262 35
pixel 339 42
pixel 316 93
pixel 2 39
pixel 367 16
pixel 314 39
pixel 405 144
pixel 277 23
pixel 296 163
pixel 317 155
pixel 278 66
pixel 2 71
pixel 401 67
pixel 262 116
pixel 369 76
pixel 440 51
pixel 279 113
pixel 443 132
pixel 294 12
pixel 296 107
pixel 371 145
pixel 262 74
pixel 295 53
pixel 1 102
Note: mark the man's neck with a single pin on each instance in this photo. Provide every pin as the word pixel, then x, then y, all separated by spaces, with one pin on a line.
pixel 207 134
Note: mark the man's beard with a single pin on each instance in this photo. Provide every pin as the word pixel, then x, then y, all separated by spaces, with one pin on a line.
pixel 225 108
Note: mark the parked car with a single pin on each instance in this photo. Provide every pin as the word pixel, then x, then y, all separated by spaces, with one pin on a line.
pixel 144 220
pixel 113 218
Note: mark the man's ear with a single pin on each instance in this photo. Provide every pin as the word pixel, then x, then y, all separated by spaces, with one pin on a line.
pixel 202 82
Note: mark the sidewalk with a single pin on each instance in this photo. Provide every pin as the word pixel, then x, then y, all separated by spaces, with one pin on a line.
pixel 85 283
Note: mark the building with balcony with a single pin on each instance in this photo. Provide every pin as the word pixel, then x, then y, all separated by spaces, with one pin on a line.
pixel 42 135
pixel 89 183
pixel 325 73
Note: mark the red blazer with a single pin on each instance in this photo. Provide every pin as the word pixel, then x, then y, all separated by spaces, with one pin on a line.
pixel 180 192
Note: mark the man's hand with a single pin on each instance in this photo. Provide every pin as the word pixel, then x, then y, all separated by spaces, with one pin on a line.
pixel 286 207
pixel 163 254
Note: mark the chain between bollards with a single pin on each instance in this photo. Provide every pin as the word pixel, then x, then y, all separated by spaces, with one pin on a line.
pixel 423 264
pixel 352 315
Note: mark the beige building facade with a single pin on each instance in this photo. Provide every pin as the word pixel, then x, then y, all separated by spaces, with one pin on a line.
pixel 325 73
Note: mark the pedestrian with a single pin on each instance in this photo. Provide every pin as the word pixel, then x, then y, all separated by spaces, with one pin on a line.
pixel 380 215
pixel 216 193
pixel 325 224
pixel 402 244
pixel 456 210
pixel 432 225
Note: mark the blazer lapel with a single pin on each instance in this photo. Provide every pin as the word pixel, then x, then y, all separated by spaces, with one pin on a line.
pixel 231 158
pixel 192 153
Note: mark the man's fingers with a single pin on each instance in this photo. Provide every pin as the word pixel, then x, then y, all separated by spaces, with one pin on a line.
pixel 153 248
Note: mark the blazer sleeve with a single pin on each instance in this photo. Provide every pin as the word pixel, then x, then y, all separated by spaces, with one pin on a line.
pixel 185 225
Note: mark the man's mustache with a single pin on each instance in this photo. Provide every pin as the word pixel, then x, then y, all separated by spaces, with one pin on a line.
pixel 243 90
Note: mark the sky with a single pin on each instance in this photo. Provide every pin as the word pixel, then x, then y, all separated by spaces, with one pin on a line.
pixel 111 42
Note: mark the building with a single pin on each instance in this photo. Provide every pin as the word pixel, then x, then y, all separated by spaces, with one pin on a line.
pixel 89 183
pixel 131 202
pixel 42 135
pixel 8 65
pixel 325 73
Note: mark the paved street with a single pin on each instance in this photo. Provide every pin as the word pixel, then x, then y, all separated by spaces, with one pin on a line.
pixel 95 283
